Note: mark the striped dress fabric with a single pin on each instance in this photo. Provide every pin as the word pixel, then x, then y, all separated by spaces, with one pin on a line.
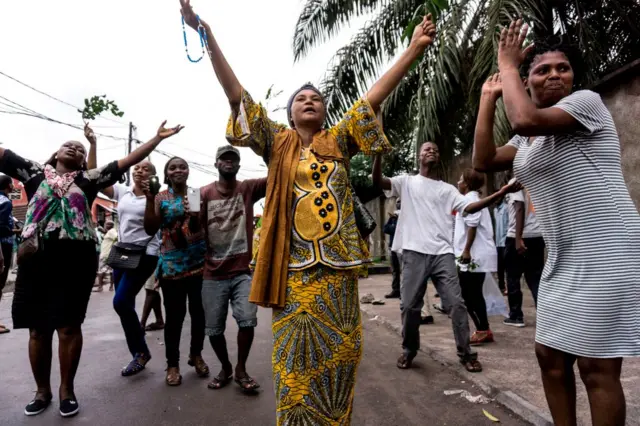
pixel 589 296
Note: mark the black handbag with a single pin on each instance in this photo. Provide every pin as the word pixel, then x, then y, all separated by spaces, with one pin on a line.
pixel 364 219
pixel 126 256
pixel 28 247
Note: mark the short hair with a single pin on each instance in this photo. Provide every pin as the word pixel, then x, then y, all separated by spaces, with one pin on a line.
pixel 5 182
pixel 166 169
pixel 555 43
pixel 474 180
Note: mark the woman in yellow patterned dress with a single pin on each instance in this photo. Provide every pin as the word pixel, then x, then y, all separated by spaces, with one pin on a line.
pixel 310 250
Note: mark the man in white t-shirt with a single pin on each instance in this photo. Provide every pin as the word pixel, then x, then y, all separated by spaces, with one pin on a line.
pixel 424 235
pixel 524 254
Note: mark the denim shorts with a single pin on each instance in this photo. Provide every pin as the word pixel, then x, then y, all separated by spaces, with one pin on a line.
pixel 216 297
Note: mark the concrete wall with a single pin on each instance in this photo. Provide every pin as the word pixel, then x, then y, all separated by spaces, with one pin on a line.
pixel 621 94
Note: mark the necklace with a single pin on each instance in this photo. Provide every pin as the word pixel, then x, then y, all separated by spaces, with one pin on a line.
pixel 202 32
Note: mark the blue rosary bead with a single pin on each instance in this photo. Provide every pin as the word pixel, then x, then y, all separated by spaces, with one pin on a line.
pixel 202 33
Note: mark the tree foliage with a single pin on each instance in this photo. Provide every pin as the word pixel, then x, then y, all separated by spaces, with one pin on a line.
pixel 438 99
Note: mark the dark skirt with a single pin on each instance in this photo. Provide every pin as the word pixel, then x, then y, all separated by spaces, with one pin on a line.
pixel 54 286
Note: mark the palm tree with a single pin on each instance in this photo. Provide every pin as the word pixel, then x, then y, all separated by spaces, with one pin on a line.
pixel 438 99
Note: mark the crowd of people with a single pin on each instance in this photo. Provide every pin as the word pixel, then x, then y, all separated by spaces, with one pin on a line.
pixel 196 245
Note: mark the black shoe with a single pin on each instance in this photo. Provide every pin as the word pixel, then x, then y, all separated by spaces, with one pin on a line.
pixel 426 320
pixel 393 295
pixel 69 407
pixel 514 322
pixel 37 406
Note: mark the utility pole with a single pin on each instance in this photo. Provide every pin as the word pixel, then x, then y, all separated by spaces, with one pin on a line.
pixel 129 143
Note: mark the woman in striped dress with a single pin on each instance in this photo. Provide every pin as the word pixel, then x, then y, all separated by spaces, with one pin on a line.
pixel 567 153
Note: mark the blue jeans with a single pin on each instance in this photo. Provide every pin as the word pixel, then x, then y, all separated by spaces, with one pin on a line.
pixel 216 297
pixel 128 284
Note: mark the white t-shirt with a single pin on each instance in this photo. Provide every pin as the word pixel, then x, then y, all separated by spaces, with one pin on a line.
pixel 426 216
pixel 483 250
pixel 531 228
pixel 131 215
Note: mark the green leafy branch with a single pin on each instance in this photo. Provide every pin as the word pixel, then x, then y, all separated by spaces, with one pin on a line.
pixel 96 105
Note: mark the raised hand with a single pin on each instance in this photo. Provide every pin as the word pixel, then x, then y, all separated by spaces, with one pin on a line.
pixel 164 133
pixel 88 133
pixel 425 33
pixel 493 87
pixel 510 51
pixel 188 14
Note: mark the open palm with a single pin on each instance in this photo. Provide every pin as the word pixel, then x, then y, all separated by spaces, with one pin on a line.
pixel 493 86
pixel 164 132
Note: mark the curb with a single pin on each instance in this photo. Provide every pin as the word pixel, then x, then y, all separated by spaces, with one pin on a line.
pixel 514 402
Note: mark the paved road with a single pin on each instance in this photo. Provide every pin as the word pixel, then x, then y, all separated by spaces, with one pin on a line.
pixel 385 395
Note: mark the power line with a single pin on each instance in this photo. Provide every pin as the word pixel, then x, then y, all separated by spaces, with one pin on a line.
pixel 53 97
pixel 23 110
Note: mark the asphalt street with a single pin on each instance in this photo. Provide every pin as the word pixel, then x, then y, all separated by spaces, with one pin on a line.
pixel 384 394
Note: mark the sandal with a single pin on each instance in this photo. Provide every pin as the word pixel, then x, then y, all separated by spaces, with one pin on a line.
pixel 247 384
pixel 404 362
pixel 136 365
pixel 4 330
pixel 202 369
pixel 472 365
pixel 220 381
pixel 173 376
pixel 154 327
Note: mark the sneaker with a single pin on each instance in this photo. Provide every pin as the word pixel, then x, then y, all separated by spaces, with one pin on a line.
pixel 69 408
pixel 514 322
pixel 36 407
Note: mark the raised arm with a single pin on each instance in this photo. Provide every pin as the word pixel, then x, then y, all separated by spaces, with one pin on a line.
pixel 423 36
pixel 92 160
pixel 526 119
pixel 225 74
pixel 147 148
pixel 486 157
pixel 379 181
pixel 486 202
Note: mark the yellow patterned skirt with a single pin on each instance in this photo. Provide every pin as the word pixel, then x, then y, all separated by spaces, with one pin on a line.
pixel 317 347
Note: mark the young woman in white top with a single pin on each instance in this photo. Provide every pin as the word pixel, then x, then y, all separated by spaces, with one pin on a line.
pixel 476 255
pixel 128 283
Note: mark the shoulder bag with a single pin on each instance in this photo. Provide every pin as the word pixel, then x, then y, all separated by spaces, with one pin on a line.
pixel 126 256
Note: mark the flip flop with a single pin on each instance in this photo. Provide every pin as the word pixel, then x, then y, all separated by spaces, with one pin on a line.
pixel 247 380
pixel 219 382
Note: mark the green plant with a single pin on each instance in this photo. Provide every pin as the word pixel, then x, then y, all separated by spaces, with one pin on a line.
pixel 96 105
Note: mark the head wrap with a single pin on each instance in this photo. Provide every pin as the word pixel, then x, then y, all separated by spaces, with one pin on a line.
pixel 307 86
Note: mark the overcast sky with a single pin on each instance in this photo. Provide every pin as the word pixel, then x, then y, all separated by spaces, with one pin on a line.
pixel 133 51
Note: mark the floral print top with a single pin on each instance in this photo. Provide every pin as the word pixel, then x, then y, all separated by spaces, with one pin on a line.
pixel 67 216
pixel 183 248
